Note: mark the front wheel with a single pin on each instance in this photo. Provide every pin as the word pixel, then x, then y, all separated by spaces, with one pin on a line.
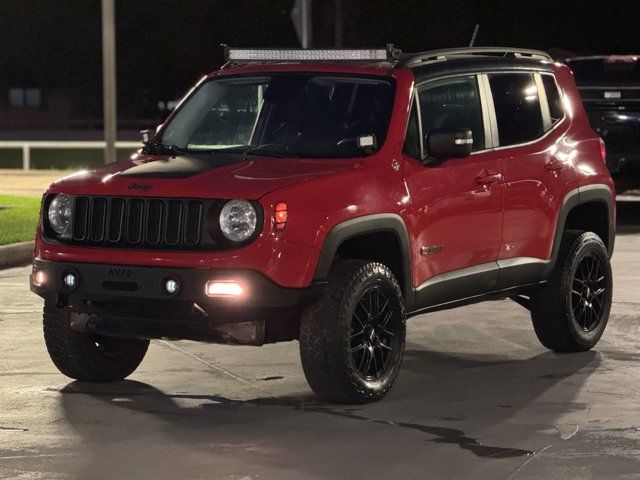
pixel 571 311
pixel 87 356
pixel 352 340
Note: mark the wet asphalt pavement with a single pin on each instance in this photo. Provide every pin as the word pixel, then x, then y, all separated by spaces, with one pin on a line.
pixel 478 397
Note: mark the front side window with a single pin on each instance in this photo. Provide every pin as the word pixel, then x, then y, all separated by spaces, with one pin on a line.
pixel 452 104
pixel 517 106
pixel 299 115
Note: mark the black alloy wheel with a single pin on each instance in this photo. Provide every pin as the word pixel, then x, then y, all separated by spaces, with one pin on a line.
pixel 374 329
pixel 352 340
pixel 589 292
pixel 570 312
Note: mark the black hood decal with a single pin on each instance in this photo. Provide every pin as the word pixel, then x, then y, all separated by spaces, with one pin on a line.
pixel 178 167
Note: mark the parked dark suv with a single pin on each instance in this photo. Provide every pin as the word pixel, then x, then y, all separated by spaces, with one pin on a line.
pixel 326 196
pixel 610 89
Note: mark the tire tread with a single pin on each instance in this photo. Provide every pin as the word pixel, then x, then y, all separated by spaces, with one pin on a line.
pixel 68 351
pixel 550 312
pixel 325 354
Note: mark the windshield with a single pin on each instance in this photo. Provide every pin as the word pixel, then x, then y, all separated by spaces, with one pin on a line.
pixel 606 71
pixel 285 114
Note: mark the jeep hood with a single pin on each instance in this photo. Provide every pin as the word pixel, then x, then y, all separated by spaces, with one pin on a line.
pixel 191 177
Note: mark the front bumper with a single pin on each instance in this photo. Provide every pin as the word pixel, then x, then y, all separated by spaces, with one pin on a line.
pixel 132 301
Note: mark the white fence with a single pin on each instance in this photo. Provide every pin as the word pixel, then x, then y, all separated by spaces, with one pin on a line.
pixel 27 146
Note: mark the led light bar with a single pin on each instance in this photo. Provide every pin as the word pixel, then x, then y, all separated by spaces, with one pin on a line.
pixel 273 54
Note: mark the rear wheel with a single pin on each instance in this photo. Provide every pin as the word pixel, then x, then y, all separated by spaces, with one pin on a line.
pixel 571 311
pixel 87 356
pixel 352 340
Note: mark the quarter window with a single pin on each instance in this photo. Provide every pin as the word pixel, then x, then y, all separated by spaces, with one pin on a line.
pixel 515 97
pixel 452 104
pixel 556 109
pixel 412 139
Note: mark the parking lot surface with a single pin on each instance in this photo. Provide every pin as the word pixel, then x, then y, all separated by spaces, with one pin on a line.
pixel 478 397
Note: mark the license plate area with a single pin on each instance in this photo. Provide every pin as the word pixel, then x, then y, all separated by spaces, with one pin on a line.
pixel 119 286
pixel 126 281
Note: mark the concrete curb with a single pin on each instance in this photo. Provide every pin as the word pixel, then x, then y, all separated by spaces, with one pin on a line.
pixel 16 254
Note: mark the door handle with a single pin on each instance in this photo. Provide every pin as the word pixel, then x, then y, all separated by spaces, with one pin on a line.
pixel 554 164
pixel 486 178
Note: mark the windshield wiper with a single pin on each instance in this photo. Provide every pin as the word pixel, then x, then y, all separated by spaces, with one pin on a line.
pixel 160 148
pixel 265 151
pixel 177 150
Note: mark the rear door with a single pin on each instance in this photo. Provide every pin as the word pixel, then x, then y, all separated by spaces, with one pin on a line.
pixel 536 165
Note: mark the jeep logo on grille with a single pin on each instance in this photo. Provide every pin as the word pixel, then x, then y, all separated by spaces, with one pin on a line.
pixel 140 187
pixel 120 272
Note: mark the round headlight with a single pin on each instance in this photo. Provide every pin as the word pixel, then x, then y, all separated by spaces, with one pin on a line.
pixel 238 220
pixel 59 214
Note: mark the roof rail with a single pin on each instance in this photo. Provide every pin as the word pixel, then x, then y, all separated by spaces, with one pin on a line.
pixel 413 59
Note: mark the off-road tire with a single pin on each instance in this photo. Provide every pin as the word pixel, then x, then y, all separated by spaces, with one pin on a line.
pixel 86 356
pixel 553 308
pixel 326 334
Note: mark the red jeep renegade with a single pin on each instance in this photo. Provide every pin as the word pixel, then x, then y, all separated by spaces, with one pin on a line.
pixel 326 196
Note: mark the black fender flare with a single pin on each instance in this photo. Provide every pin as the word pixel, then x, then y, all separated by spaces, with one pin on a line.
pixel 381 222
pixel 589 193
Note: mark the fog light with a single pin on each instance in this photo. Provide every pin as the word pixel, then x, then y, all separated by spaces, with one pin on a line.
pixel 39 278
pixel 224 289
pixel 70 280
pixel 171 286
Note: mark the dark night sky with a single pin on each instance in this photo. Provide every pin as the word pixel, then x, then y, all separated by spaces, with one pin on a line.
pixel 164 46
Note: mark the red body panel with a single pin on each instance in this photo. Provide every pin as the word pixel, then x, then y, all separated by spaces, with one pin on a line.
pixel 441 206
pixel 451 211
pixel 539 175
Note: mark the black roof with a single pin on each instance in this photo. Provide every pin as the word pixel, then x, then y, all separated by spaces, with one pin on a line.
pixel 473 64
pixel 435 63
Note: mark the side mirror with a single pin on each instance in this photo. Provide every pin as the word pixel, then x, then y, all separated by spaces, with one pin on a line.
pixel 442 144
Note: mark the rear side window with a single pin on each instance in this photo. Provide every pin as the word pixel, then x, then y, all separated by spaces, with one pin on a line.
pixel 556 109
pixel 452 104
pixel 515 97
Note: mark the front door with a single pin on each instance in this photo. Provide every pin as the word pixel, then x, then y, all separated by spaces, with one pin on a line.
pixel 457 205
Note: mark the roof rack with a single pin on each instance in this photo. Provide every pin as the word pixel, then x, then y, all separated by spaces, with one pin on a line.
pixel 413 59
pixel 261 55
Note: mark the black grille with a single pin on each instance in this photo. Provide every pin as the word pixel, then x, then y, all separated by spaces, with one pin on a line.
pixel 136 222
